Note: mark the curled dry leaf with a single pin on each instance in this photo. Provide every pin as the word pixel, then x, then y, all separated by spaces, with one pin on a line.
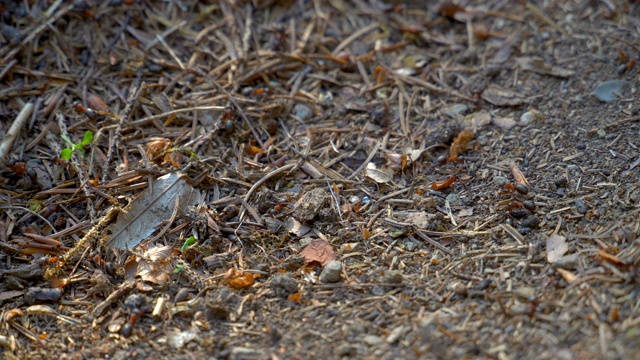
pixel 238 279
pixel 379 175
pixel 319 251
pixel 153 266
pixel 461 142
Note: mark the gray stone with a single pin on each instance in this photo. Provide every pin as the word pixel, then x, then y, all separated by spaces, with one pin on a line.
pixel 527 118
pixel 332 272
pixel 608 91
pixel 284 282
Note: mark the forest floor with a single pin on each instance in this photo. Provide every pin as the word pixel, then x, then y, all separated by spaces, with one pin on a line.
pixel 311 179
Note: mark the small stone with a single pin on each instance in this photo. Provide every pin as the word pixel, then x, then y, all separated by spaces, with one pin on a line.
pixel 608 91
pixel 573 168
pixel 601 133
pixel 392 277
pixel 500 180
pixel 527 118
pixel 581 207
pixel 284 282
pixel 302 112
pixel 453 199
pixel 178 339
pixel 332 272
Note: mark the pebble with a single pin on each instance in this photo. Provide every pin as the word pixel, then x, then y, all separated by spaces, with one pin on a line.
pixel 332 272
pixel 500 180
pixel 608 91
pixel 527 118
pixel 302 112
pixel 581 206
pixel 284 282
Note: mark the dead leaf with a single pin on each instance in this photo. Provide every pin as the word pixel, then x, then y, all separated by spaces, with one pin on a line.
pixel 500 96
pixel 318 251
pixel 296 227
pixel 556 247
pixel 139 220
pixel 537 65
pixel 420 219
pixel 96 103
pixel 379 175
pixel 238 279
pixel 154 265
pixel 461 142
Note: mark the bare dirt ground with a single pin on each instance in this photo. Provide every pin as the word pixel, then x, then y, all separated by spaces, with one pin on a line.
pixel 311 179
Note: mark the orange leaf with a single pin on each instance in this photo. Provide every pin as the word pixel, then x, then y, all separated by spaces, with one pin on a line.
pixel 295 297
pixel 238 279
pixel 252 150
pixel 441 185
pixel 318 251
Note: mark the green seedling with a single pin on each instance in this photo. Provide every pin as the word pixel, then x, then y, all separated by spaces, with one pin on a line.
pixel 65 154
pixel 178 269
pixel 188 243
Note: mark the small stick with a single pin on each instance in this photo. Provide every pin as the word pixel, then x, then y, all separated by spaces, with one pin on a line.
pixel 265 178
pixel 14 130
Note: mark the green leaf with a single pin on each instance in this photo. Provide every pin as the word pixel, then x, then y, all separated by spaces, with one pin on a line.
pixel 178 268
pixel 87 139
pixel 187 243
pixel 65 154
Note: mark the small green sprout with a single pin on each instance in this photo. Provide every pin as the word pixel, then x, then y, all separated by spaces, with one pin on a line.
pixel 188 243
pixel 65 154
pixel 178 269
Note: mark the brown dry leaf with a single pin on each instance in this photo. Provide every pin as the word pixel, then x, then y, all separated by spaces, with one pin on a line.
pixel 238 279
pixel 461 142
pixel 318 251
pixel 96 103
pixel 153 266
pixel 556 247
